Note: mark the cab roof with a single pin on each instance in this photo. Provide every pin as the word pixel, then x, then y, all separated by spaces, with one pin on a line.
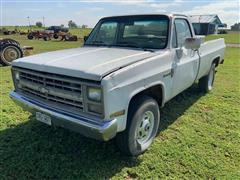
pixel 129 15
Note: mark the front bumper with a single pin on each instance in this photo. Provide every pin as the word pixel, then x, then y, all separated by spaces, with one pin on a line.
pixel 101 130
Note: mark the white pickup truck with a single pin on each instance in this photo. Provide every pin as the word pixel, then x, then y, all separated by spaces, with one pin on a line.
pixel 128 68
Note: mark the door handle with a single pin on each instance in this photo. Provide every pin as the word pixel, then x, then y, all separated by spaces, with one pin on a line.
pixel 170 73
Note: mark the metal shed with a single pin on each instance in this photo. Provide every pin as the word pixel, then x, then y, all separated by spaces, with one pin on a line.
pixel 206 24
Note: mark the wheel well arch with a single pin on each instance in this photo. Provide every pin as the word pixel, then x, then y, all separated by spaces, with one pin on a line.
pixel 155 91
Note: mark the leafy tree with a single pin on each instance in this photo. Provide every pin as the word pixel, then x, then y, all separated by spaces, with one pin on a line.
pixel 84 26
pixel 72 24
pixel 235 27
pixel 224 25
pixel 39 24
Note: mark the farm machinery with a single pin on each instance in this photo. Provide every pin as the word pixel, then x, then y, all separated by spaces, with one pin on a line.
pixel 44 34
pixel 49 34
pixel 11 50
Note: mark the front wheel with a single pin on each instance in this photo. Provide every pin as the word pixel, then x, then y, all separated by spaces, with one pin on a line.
pixel 9 53
pixel 206 82
pixel 142 126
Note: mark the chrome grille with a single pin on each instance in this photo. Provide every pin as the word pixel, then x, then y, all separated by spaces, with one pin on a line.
pixel 56 89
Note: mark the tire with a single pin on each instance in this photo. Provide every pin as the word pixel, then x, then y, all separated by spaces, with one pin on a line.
pixel 66 38
pixel 142 126
pixel 55 36
pixel 9 41
pixel 9 53
pixel 30 36
pixel 45 38
pixel 206 82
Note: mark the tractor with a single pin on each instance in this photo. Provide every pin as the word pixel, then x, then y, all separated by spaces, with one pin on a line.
pixel 11 50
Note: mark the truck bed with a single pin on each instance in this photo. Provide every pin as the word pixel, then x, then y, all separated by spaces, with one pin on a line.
pixel 208 51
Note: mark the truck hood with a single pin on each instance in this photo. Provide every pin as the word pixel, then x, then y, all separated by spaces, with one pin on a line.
pixel 86 62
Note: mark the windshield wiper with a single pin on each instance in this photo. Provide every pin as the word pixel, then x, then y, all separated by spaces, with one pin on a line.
pixel 134 46
pixel 126 45
pixel 147 49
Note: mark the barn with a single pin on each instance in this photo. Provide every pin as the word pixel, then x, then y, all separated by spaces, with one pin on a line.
pixel 206 24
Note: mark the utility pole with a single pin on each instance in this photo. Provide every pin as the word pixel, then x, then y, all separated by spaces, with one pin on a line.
pixel 29 22
pixel 43 22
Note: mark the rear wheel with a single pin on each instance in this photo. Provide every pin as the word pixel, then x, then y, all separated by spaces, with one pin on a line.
pixel 206 82
pixel 9 53
pixel 142 127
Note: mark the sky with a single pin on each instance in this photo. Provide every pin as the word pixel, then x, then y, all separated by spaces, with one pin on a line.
pixel 57 12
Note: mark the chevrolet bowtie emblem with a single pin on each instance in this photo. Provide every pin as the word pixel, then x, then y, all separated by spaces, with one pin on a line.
pixel 43 90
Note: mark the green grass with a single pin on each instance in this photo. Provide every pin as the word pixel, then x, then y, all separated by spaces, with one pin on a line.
pixel 230 38
pixel 199 136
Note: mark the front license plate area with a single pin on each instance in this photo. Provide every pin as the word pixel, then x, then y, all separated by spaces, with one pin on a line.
pixel 43 118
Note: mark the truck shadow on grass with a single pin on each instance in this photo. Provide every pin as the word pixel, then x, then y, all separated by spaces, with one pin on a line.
pixel 33 150
pixel 178 105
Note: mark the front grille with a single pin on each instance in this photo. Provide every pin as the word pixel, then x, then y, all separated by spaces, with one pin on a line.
pixel 57 90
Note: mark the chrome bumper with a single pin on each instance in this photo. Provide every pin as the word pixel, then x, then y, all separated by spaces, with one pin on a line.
pixel 102 130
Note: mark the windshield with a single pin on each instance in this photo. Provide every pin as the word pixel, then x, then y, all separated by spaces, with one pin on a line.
pixel 131 31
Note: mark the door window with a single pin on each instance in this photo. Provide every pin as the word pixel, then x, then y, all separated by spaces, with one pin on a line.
pixel 183 31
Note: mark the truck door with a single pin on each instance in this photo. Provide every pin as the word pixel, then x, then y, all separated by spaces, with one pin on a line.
pixel 185 61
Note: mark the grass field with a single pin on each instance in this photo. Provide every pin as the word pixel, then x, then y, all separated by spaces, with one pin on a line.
pixel 199 136
pixel 230 38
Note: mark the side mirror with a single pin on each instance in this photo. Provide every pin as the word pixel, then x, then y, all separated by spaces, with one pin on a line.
pixel 192 43
pixel 85 38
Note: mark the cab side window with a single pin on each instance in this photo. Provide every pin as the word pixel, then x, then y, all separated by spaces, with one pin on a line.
pixel 182 31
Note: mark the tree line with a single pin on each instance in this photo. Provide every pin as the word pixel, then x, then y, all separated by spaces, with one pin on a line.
pixel 71 24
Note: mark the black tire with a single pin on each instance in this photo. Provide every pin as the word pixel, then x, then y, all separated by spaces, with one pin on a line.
pixel 45 38
pixel 55 36
pixel 6 58
pixel 30 36
pixel 67 38
pixel 206 82
pixel 9 41
pixel 127 141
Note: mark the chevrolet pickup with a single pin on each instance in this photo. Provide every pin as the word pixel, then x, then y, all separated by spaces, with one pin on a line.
pixel 115 84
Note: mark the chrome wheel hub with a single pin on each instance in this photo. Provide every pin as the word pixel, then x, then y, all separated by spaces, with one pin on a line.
pixel 10 54
pixel 145 127
pixel 210 79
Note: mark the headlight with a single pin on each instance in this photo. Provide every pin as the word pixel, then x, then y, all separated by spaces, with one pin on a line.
pixel 94 94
